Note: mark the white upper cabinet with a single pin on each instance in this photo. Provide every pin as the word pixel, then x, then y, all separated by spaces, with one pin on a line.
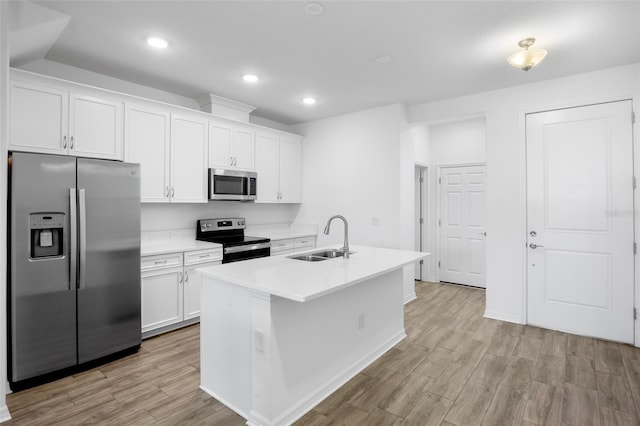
pixel 49 120
pixel 189 149
pixel 96 128
pixel 231 146
pixel 278 159
pixel 268 167
pixel 172 152
pixel 147 142
pixel 290 170
pixel 39 119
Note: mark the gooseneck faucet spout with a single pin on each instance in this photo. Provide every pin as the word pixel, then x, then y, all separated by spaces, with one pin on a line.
pixel 345 249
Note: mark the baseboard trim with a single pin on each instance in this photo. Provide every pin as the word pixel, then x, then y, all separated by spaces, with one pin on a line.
pixel 305 405
pixel 225 402
pixel 410 298
pixel 503 317
pixel 5 415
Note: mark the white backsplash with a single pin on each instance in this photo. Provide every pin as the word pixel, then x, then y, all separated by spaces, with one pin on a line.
pixel 161 217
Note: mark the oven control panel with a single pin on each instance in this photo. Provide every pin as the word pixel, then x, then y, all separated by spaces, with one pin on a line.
pixel 210 225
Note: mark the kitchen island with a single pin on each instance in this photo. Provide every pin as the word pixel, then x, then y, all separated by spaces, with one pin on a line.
pixel 279 335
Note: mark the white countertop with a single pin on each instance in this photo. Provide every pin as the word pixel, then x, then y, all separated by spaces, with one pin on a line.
pixel 303 281
pixel 282 234
pixel 283 231
pixel 152 247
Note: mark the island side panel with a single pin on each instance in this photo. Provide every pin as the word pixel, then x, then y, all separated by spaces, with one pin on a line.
pixel 317 346
pixel 225 344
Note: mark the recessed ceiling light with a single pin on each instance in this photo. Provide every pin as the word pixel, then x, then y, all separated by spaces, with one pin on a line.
pixel 250 78
pixel 157 42
pixel 309 100
pixel 314 9
pixel 383 59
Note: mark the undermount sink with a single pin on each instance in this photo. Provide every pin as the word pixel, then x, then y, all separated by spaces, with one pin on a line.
pixel 309 258
pixel 318 256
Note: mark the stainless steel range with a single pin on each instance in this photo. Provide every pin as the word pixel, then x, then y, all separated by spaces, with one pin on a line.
pixel 230 233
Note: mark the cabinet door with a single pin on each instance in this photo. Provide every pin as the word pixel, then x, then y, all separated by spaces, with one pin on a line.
pixel 38 119
pixel 220 145
pixel 192 283
pixel 290 171
pixel 162 298
pixel 242 149
pixel 96 128
pixel 189 147
pixel 147 143
pixel 268 168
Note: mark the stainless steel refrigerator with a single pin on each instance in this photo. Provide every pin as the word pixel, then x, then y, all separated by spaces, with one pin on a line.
pixel 74 262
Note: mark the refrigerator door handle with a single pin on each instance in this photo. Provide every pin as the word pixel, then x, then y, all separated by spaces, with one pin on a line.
pixel 73 238
pixel 82 231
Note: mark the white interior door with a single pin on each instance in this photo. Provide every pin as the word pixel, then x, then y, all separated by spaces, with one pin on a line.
pixel 462 225
pixel 580 220
pixel 419 221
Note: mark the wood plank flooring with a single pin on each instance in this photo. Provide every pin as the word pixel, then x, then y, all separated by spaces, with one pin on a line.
pixel 454 368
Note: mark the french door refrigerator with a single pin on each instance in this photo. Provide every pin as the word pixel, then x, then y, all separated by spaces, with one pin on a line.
pixel 74 262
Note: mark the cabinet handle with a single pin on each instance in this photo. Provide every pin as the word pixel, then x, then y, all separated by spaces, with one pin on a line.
pixel 180 277
pixel 204 255
pixel 235 161
pixel 64 142
pixel 71 143
pixel 173 192
pixel 160 262
pixel 231 161
pixel 186 276
pixel 167 195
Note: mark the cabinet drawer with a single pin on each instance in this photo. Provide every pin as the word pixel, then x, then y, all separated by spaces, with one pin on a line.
pixel 280 245
pixel 304 242
pixel 160 261
pixel 202 256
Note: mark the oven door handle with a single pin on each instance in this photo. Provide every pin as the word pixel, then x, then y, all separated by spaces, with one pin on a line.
pixel 240 249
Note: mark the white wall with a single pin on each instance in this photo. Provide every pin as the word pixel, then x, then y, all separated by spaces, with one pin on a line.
pixel 459 142
pixel 420 136
pixel 161 217
pixel 79 75
pixel 505 146
pixel 360 165
pixel 4 105
pixel 352 167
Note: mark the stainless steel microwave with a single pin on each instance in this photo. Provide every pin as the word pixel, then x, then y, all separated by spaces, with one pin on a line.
pixel 232 185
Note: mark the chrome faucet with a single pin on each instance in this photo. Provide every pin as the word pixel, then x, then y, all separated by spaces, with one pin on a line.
pixel 345 249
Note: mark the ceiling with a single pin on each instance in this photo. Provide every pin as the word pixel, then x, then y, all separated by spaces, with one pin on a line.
pixel 437 49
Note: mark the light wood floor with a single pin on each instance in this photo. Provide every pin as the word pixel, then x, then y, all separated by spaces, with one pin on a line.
pixel 454 368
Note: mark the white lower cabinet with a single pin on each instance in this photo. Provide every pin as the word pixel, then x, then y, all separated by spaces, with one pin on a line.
pixel 162 298
pixel 292 245
pixel 171 288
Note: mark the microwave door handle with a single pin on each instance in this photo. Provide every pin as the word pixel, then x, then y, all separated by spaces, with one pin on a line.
pixel 82 221
pixel 73 238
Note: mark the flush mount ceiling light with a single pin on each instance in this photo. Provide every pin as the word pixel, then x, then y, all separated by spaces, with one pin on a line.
pixel 157 42
pixel 527 58
pixel 309 100
pixel 314 9
pixel 250 78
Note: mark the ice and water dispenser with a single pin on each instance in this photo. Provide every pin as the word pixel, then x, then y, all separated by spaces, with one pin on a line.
pixel 47 230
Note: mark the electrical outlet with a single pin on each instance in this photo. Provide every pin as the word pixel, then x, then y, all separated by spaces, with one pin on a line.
pixel 360 321
pixel 259 340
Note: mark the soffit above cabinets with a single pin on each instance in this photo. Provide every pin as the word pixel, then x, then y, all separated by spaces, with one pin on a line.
pixel 432 50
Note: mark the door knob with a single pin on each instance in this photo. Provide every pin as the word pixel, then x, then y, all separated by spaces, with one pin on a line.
pixel 535 246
